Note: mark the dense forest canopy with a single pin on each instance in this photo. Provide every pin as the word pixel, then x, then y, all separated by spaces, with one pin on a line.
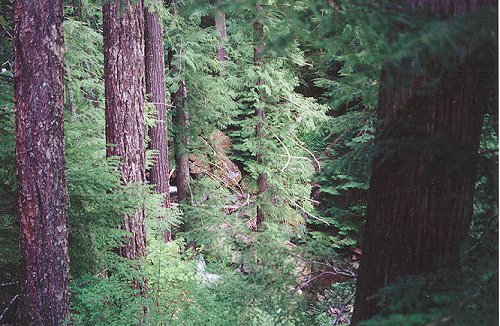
pixel 278 162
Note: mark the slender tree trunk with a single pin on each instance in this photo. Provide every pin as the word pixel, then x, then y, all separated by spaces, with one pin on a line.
pixel 220 25
pixel 421 190
pixel 42 200
pixel 261 115
pixel 155 88
pixel 124 92
pixel 181 127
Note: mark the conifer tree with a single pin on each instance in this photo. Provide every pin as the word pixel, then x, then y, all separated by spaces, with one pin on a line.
pixel 42 194
pixel 259 111
pixel 420 198
pixel 155 88
pixel 181 124
pixel 124 92
pixel 181 141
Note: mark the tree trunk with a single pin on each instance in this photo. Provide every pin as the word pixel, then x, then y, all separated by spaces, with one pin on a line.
pixel 261 116
pixel 42 199
pixel 421 190
pixel 155 88
pixel 220 26
pixel 181 127
pixel 181 123
pixel 124 92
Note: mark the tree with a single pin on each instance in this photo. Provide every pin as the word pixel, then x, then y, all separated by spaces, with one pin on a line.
pixel 124 93
pixel 260 112
pixel 181 141
pixel 155 88
pixel 42 196
pixel 181 124
pixel 220 26
pixel 422 182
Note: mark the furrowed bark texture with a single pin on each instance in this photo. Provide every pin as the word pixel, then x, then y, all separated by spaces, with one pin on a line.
pixel 261 115
pixel 421 190
pixel 124 92
pixel 155 88
pixel 42 199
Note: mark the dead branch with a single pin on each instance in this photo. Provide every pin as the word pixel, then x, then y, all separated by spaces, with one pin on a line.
pixel 8 306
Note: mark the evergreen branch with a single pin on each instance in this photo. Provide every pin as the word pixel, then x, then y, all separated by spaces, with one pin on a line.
pixel 213 176
pixel 233 209
pixel 462 303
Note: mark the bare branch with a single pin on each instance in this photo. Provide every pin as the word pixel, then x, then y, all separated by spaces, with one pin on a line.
pixel 287 152
pixel 297 142
pixel 8 306
pixel 308 214
pixel 7 284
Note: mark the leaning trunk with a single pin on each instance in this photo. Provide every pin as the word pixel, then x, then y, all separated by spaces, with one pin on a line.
pixel 124 92
pixel 421 190
pixel 39 99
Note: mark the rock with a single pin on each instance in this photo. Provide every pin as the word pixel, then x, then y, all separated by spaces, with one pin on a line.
pixel 198 165
pixel 226 169
pixel 205 276
pixel 222 167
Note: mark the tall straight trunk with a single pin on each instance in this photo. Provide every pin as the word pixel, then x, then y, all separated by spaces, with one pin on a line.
pixel 220 26
pixel 421 190
pixel 124 92
pixel 42 200
pixel 261 115
pixel 181 126
pixel 155 89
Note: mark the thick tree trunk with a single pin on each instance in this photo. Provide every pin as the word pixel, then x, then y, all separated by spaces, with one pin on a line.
pixel 39 100
pixel 421 190
pixel 220 26
pixel 124 92
pixel 261 116
pixel 155 88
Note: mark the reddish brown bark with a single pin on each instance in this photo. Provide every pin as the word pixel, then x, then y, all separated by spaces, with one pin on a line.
pixel 39 99
pixel 421 190
pixel 124 92
pixel 155 89
pixel 261 116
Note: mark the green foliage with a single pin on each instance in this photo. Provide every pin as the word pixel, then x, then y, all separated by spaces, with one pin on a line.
pixel 9 257
pixel 335 306
pixel 318 85
pixel 460 299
